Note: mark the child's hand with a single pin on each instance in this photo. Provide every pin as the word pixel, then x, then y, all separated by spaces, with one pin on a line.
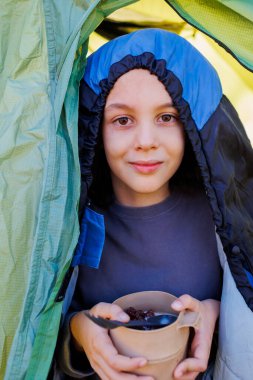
pixel 99 349
pixel 189 368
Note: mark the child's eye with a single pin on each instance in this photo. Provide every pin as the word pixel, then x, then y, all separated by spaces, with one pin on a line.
pixel 166 118
pixel 122 121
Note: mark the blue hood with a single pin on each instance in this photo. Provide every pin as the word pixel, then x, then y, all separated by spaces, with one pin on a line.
pixel 200 82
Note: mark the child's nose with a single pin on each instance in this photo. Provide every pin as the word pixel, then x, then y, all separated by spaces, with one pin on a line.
pixel 146 137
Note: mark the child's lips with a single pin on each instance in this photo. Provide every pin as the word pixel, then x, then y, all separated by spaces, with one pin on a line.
pixel 146 166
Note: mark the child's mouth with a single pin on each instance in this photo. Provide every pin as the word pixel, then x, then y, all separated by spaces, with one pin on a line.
pixel 146 166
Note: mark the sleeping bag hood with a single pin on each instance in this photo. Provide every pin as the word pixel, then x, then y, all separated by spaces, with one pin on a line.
pixel 222 149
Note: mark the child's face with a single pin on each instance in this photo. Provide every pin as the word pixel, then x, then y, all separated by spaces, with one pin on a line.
pixel 143 139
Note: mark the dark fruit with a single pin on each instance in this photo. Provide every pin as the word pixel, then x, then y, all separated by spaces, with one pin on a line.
pixel 140 315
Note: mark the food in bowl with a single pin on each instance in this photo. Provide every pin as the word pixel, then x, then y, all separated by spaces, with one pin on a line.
pixel 144 315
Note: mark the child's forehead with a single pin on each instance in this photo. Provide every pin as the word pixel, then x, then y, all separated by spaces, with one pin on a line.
pixel 138 85
pixel 137 77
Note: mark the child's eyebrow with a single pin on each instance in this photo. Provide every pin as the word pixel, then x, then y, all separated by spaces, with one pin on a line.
pixel 166 105
pixel 125 106
pixel 169 105
pixel 118 106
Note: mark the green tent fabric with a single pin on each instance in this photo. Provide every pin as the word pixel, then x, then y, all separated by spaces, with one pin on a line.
pixel 230 23
pixel 43 49
pixel 43 44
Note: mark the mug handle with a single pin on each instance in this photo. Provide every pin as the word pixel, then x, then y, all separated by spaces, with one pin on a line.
pixel 188 319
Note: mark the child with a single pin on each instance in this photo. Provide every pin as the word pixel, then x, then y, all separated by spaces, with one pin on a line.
pixel 147 102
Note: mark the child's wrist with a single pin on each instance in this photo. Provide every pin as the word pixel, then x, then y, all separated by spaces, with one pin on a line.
pixel 76 324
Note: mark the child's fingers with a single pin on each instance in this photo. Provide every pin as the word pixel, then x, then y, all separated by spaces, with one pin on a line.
pixel 99 348
pixel 111 311
pixel 109 365
pixel 198 362
pixel 202 340
pixel 104 348
pixel 186 302
pixel 188 376
pixel 190 368
pixel 106 372
pixel 124 363
pixel 200 347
